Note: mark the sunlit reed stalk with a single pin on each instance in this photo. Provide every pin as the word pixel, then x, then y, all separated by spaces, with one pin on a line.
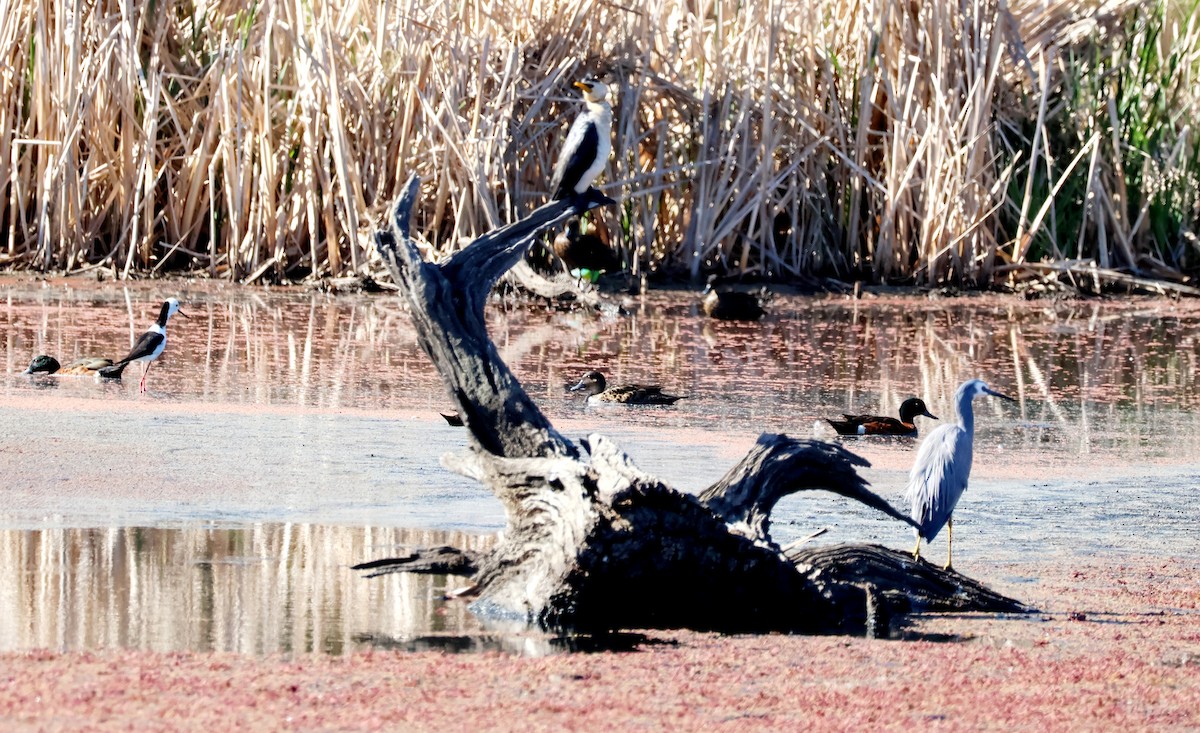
pixel 895 142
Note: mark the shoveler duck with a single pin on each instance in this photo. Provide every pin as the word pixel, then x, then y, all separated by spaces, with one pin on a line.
pixel 882 425
pixel 585 254
pixel 43 364
pixel 629 394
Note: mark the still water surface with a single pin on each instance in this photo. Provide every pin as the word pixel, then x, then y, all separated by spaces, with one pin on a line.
pixel 289 434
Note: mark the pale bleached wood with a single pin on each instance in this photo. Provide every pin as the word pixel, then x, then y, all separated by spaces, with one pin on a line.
pixel 594 543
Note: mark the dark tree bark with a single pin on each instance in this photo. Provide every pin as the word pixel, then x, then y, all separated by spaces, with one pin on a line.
pixel 593 543
pixel 440 560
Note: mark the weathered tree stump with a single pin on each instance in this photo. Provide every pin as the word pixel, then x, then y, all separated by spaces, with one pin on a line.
pixel 592 543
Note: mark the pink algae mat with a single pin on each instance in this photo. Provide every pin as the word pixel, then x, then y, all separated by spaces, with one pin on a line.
pixel 1115 648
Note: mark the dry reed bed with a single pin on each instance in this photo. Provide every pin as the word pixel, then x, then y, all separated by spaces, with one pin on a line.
pixel 926 142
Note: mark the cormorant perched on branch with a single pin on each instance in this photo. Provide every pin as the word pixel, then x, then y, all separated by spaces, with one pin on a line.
pixel 588 144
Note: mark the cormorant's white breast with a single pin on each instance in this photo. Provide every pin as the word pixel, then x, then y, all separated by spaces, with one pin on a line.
pixel 588 144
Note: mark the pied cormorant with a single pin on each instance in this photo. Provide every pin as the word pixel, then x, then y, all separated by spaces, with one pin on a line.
pixel 588 144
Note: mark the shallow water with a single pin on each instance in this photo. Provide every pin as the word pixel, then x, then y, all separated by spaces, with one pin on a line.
pixel 288 434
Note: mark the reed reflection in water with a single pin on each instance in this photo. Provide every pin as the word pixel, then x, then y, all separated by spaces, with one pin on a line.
pixel 296 348
pixel 1091 377
pixel 312 349
pixel 266 589
pixel 1096 458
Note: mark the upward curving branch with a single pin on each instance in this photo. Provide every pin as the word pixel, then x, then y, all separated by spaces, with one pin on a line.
pixel 447 302
pixel 592 542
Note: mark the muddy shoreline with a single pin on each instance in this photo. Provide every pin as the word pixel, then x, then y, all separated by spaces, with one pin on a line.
pixel 1114 647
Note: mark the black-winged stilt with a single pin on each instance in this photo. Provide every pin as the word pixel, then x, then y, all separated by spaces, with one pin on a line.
pixel 150 346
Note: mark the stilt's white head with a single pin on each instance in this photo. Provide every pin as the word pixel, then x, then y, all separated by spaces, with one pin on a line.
pixel 173 307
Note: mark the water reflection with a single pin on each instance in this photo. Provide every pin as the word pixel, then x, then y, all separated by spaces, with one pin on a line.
pixel 265 589
pixel 1100 383
pixel 293 419
pixel 1068 362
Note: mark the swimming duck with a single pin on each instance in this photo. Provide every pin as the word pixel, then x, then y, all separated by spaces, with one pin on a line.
pixel 584 254
pixel 629 394
pixel 43 364
pixel 732 305
pixel 882 425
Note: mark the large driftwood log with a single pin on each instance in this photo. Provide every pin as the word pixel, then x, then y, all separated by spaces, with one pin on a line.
pixel 593 543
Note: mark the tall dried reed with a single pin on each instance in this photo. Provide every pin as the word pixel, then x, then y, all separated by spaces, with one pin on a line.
pixel 921 142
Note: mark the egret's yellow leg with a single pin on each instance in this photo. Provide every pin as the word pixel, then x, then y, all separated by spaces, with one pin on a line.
pixel 949 541
pixel 917 549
